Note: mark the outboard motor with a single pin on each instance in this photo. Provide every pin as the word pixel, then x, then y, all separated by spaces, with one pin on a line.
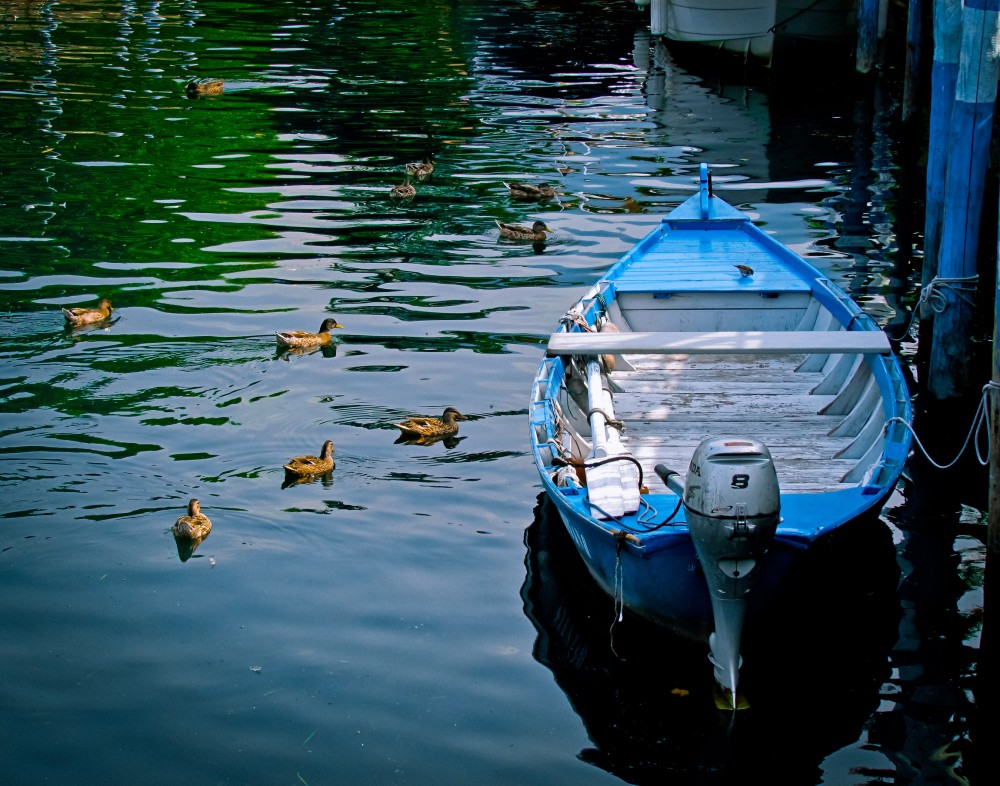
pixel 732 505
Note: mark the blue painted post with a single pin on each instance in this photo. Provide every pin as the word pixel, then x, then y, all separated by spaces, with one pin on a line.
pixel 969 139
pixel 944 75
pixel 868 19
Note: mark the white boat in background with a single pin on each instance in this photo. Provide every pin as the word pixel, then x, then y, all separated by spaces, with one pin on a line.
pixel 751 27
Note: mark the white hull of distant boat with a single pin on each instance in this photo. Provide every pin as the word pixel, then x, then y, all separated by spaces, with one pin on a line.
pixel 749 27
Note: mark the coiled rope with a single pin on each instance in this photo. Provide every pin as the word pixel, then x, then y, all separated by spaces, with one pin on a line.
pixel 933 297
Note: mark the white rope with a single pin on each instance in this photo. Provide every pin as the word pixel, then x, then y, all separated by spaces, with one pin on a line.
pixel 933 296
pixel 980 420
pixel 619 601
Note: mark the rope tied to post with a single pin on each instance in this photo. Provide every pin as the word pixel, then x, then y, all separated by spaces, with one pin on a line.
pixel 980 421
pixel 934 300
pixel 934 297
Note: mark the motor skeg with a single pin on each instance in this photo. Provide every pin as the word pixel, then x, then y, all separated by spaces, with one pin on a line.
pixel 733 506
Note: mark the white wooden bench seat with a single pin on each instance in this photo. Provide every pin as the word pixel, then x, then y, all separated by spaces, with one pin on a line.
pixel 758 342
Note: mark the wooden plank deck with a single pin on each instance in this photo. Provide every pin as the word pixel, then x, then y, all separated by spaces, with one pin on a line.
pixel 670 403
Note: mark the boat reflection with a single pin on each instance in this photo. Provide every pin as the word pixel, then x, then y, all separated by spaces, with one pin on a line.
pixel 814 663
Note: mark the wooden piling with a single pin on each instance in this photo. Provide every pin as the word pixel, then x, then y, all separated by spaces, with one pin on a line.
pixel 987 677
pixel 868 22
pixel 914 57
pixel 969 141
pixel 944 75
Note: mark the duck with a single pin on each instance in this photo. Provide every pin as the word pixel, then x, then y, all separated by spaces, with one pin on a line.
pixel 423 428
pixel 88 316
pixel 301 466
pixel 536 233
pixel 421 169
pixel 209 86
pixel 404 190
pixel 295 339
pixel 195 525
pixel 529 193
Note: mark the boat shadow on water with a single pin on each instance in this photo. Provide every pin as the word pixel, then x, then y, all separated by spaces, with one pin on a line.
pixel 814 661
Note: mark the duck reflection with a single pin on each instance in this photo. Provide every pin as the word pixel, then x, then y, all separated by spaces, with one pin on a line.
pixel 325 479
pixel 448 440
pixel 74 331
pixel 813 664
pixel 186 547
pixel 286 353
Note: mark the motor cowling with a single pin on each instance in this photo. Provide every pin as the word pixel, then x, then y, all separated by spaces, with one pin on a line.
pixel 732 505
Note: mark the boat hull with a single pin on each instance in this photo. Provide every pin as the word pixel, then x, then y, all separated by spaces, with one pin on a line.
pixel 665 584
pixel 709 332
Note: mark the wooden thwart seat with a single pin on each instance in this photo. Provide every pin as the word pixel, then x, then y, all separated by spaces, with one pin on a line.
pixel 722 342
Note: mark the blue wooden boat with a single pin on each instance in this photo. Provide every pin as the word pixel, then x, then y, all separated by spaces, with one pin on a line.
pixel 712 407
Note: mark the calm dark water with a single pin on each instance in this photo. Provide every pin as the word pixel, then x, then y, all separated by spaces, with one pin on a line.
pixel 416 618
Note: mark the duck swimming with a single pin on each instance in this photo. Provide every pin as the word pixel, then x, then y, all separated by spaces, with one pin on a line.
pixel 195 525
pixel 529 193
pixel 421 169
pixel 209 86
pixel 303 466
pixel 423 428
pixel 536 233
pixel 403 191
pixel 301 338
pixel 88 316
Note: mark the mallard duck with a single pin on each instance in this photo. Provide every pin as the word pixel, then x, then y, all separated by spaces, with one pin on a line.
pixel 88 316
pixel 403 191
pixel 422 428
pixel 535 234
pixel 421 169
pixel 312 465
pixel 209 86
pixel 529 193
pixel 300 338
pixel 195 525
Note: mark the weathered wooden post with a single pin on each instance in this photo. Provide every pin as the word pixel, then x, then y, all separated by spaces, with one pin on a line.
pixel 969 140
pixel 944 75
pixel 987 678
pixel 914 57
pixel 868 19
